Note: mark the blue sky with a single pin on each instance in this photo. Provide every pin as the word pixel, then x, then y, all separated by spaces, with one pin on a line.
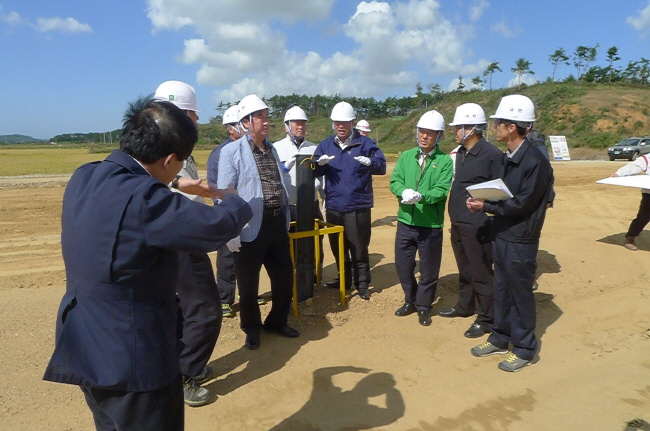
pixel 73 66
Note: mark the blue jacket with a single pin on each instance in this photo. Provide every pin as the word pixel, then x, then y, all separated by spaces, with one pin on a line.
pixel 121 233
pixel 237 165
pixel 348 184
pixel 213 164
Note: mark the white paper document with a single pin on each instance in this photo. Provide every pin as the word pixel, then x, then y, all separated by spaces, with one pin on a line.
pixel 494 190
pixel 638 181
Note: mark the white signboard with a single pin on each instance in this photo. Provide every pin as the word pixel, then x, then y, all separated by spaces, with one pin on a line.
pixel 559 148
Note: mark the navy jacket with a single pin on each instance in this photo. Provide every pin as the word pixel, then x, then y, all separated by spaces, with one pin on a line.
pixel 529 176
pixel 121 230
pixel 348 184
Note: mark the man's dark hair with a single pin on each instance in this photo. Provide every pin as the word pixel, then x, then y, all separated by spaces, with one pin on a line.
pixel 155 129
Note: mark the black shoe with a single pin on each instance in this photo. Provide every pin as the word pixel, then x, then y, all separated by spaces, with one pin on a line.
pixel 405 310
pixel 477 330
pixel 285 331
pixel 253 340
pixel 206 374
pixel 364 293
pixel 334 284
pixel 425 317
pixel 449 312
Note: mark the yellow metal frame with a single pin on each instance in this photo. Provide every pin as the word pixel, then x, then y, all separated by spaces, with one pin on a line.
pixel 320 228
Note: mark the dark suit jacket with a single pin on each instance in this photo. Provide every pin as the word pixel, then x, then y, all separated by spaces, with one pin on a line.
pixel 121 230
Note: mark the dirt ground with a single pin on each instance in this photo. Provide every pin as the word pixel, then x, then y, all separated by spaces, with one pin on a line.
pixel 360 367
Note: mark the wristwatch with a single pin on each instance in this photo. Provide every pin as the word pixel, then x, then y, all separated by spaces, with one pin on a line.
pixel 175 181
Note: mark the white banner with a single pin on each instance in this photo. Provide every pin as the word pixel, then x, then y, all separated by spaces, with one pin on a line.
pixel 560 148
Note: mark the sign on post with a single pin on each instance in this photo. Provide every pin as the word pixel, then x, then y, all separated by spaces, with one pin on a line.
pixel 560 148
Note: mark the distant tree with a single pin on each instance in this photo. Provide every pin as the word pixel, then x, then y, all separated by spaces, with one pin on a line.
pixel 492 67
pixel 644 70
pixel 583 56
pixel 522 67
pixel 478 82
pixel 612 56
pixel 461 86
pixel 570 78
pixel 559 56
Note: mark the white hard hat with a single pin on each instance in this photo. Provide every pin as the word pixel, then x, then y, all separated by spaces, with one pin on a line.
pixel 431 120
pixel 342 111
pixel 179 93
pixel 363 125
pixel 515 108
pixel 468 114
pixel 250 104
pixel 231 115
pixel 295 113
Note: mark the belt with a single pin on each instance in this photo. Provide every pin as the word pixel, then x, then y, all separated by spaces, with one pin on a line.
pixel 273 211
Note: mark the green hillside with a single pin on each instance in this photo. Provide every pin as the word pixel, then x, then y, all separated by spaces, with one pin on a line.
pixel 18 139
pixel 588 114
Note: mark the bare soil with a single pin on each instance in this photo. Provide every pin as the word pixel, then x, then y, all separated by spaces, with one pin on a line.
pixel 360 367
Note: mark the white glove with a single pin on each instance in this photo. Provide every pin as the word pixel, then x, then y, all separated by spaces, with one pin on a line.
pixel 289 163
pixel 410 196
pixel 365 161
pixel 234 244
pixel 324 159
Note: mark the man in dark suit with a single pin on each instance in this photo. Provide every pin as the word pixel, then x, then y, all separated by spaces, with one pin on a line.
pixel 122 228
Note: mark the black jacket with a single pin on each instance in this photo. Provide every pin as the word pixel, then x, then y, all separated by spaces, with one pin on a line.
pixel 481 163
pixel 529 176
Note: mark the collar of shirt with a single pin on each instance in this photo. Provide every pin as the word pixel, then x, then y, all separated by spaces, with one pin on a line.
pixel 512 154
pixel 254 146
pixel 345 144
pixel 138 162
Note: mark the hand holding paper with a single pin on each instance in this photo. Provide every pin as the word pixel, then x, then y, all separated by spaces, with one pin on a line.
pixel 494 190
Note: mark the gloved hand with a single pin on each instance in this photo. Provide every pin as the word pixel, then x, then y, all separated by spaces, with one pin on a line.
pixel 410 196
pixel 234 244
pixel 324 159
pixel 365 161
pixel 289 163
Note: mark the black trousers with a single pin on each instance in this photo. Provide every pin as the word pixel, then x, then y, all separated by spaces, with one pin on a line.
pixel 642 217
pixel 226 278
pixel 160 410
pixel 514 302
pixel 473 251
pixel 356 240
pixel 428 244
pixel 201 311
pixel 271 249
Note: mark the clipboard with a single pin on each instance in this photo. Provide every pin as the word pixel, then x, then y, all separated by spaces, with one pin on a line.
pixel 494 190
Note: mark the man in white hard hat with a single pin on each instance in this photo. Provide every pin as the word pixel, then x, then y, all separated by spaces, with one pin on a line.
pixel 476 161
pixel 295 124
pixel 516 230
pixel 197 290
pixel 252 164
pixel 363 127
pixel 348 161
pixel 421 181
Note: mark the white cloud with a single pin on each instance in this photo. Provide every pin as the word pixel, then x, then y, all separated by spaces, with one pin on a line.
pixel 476 11
pixel 11 18
pixel 504 30
pixel 642 20
pixel 67 25
pixel 241 47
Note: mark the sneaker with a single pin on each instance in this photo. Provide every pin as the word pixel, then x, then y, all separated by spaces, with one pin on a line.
pixel 487 349
pixel 227 310
pixel 195 395
pixel 512 364
pixel 205 375
pixel 630 244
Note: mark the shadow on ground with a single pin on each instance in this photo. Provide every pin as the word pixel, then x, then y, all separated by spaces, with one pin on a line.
pixel 642 241
pixel 373 402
